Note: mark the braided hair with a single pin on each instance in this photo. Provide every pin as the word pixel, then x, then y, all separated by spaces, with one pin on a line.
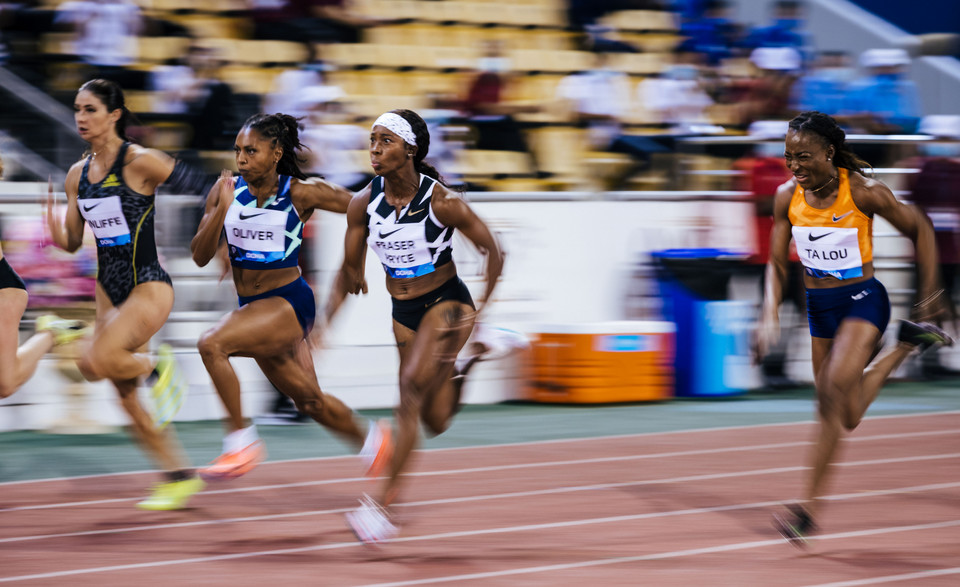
pixel 111 95
pixel 422 133
pixel 282 130
pixel 830 133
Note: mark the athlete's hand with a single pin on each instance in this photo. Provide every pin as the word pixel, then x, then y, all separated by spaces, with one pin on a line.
pixel 52 216
pixel 768 334
pixel 227 185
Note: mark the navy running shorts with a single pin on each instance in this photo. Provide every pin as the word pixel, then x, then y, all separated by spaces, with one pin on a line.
pixel 827 308
pixel 300 296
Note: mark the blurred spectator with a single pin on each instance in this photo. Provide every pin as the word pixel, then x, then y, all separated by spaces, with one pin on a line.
pixel 106 30
pixel 824 88
pixel 285 96
pixel 766 95
pixel 333 140
pixel 305 21
pixel 193 90
pixel 934 190
pixel 714 34
pixel 484 107
pixel 884 101
pixel 598 99
pixel 785 31
pixel 677 95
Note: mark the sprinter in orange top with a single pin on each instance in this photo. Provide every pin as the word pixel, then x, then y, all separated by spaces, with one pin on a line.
pixel 828 209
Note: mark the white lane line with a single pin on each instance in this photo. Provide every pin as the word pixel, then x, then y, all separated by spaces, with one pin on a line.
pixel 446 472
pixel 664 555
pixel 502 530
pixel 520 494
pixel 893 578
pixel 543 442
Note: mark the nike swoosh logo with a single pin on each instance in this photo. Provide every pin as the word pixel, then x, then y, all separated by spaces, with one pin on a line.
pixel 386 234
pixel 91 206
pixel 819 236
pixel 248 216
pixel 842 216
pixel 412 213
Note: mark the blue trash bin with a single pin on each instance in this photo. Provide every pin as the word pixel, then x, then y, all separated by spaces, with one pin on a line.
pixel 712 345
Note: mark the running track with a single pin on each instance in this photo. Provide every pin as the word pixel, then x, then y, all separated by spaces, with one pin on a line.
pixel 681 508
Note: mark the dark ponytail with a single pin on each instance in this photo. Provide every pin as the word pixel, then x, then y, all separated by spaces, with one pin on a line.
pixel 422 133
pixel 283 130
pixel 111 95
pixel 827 129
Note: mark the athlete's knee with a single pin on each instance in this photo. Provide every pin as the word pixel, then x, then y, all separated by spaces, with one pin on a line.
pixel 7 388
pixel 850 422
pixel 94 364
pixel 209 345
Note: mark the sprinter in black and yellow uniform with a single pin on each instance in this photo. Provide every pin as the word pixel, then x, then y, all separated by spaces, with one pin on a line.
pixel 112 190
pixel 828 208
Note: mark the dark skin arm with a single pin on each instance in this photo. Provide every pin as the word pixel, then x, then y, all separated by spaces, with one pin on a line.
pixel 873 197
pixel 777 268
pixel 204 245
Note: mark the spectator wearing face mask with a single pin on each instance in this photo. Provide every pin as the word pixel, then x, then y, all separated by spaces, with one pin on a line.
pixel 824 87
pixel 885 100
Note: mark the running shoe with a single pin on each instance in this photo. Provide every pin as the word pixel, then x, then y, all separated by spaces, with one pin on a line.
pixel 172 495
pixel 498 342
pixel 795 525
pixel 231 465
pixel 64 331
pixel 167 387
pixel 370 522
pixel 377 448
pixel 922 335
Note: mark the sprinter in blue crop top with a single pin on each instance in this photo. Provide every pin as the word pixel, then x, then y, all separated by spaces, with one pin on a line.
pixel 407 216
pixel 261 215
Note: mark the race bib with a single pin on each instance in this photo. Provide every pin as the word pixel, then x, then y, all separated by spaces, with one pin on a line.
pixel 255 234
pixel 402 249
pixel 828 251
pixel 105 217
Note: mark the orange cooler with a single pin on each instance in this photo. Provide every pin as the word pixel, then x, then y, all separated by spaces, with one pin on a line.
pixel 601 363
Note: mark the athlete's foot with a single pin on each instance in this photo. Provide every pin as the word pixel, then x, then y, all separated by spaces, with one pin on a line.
pixel 795 525
pixel 922 335
pixel 377 448
pixel 172 495
pixel 371 523
pixel 64 331
pixel 231 465
pixel 497 342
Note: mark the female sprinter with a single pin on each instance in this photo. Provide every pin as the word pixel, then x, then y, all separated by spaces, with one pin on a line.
pixel 828 208
pixel 112 189
pixel 262 215
pixel 408 216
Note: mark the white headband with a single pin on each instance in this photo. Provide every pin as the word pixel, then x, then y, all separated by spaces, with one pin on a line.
pixel 398 125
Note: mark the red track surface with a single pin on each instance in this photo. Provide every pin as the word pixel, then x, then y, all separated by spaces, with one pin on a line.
pixel 684 508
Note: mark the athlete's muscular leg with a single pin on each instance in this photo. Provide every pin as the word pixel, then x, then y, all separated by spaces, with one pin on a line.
pixel 443 401
pixel 120 332
pixel 839 369
pixel 161 445
pixel 17 363
pixel 293 373
pixel 426 363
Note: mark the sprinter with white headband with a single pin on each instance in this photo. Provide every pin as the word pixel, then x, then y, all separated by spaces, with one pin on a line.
pixel 408 215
